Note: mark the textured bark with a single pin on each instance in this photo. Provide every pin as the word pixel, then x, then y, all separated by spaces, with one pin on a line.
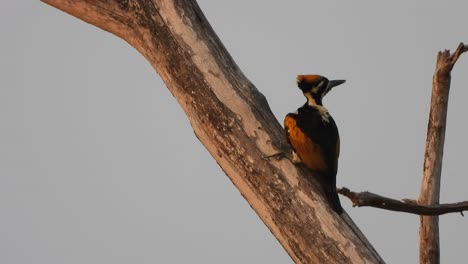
pixel 429 252
pixel 233 121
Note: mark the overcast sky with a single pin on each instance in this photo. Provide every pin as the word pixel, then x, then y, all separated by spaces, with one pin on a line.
pixel 98 163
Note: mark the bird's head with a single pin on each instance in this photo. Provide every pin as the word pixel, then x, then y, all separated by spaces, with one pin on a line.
pixel 315 87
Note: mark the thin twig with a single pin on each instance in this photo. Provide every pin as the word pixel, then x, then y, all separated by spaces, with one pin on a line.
pixel 361 199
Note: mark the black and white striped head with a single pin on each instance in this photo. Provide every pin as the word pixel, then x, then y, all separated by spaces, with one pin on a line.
pixel 315 87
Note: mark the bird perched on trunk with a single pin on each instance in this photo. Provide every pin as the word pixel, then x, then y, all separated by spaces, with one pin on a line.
pixel 313 135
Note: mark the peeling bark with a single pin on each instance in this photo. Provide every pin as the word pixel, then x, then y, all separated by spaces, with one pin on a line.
pixel 233 121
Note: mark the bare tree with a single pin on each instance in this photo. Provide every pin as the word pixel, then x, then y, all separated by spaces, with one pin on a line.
pixel 234 122
pixel 427 204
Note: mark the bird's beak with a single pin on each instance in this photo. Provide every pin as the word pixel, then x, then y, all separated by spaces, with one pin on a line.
pixel 334 83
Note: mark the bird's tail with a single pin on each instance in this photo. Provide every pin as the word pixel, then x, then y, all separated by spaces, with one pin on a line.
pixel 333 199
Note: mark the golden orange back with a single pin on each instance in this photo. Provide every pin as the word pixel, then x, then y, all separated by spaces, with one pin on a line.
pixel 309 152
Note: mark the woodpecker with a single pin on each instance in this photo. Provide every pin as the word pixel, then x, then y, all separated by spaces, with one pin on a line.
pixel 313 134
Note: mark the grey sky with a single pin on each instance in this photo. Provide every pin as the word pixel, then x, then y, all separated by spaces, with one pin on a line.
pixel 98 163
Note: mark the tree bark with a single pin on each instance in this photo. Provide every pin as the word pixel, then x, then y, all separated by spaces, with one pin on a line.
pixel 233 121
pixel 429 252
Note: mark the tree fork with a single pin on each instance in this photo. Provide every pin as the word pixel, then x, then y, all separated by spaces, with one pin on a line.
pixel 233 121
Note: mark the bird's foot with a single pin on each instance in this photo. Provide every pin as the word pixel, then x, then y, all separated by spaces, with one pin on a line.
pixel 278 156
pixel 291 156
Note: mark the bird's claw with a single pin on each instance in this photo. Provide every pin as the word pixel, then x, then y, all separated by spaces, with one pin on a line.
pixel 278 156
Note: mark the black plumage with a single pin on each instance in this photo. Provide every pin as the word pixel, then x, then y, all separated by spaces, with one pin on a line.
pixel 313 134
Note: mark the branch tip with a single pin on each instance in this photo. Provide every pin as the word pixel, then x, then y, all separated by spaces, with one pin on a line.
pixel 462 48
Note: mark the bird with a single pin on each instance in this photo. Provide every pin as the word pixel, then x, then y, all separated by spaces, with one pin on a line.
pixel 313 135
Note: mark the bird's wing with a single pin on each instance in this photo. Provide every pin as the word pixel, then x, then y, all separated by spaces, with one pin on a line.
pixel 309 151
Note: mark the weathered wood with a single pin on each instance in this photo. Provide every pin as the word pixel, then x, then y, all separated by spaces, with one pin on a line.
pixel 233 120
pixel 429 252
pixel 362 199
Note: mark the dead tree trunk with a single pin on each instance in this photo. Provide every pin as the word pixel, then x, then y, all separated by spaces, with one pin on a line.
pixel 234 122
pixel 429 251
pixel 428 203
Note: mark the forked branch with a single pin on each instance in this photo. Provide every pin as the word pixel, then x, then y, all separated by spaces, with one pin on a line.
pixel 429 250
